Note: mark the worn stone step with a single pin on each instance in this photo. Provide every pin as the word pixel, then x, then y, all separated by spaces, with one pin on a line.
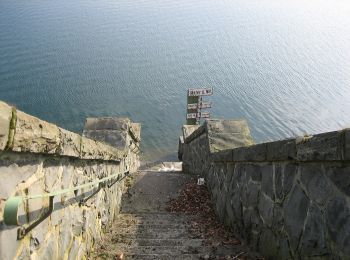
pixel 222 250
pixel 131 242
pixel 152 215
pixel 172 250
pixel 111 255
pixel 163 257
pixel 157 233
pixel 152 226
pixel 156 222
pixel 151 223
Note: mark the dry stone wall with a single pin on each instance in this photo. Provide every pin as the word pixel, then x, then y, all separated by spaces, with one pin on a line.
pixel 37 157
pixel 288 199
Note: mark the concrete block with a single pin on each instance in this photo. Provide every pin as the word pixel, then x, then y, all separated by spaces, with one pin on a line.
pixel 322 147
pixel 281 150
pixel 5 119
pixel 35 135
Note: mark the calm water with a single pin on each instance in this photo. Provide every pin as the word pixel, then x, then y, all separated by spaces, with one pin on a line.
pixel 282 65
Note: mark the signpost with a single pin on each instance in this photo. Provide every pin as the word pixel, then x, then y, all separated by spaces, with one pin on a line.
pixel 195 104
pixel 196 92
pixel 200 105
pixel 198 115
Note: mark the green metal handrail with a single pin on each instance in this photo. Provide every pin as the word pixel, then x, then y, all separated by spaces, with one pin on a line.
pixel 12 204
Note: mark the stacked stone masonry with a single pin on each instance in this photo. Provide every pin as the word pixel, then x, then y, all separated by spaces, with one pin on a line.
pixel 288 199
pixel 37 157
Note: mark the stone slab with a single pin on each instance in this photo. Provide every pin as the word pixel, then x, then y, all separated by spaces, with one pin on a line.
pixel 69 143
pixel 114 138
pixel 347 144
pixel 281 150
pixel 35 135
pixel 13 173
pixel 228 134
pixel 223 141
pixel 314 241
pixel 323 147
pixel 228 126
pixel 338 224
pixel 222 156
pixel 5 119
pixel 254 153
pixel 135 129
pixel 91 149
pixel 339 175
pixel 107 123
pixel 295 212
pixel 187 130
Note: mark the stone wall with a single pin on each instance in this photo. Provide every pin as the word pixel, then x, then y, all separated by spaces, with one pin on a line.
pixel 288 199
pixel 37 157
pixel 213 135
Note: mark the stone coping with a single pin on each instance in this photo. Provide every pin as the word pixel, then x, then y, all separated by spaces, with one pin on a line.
pixel 196 133
pixel 330 146
pixel 135 132
pixel 20 132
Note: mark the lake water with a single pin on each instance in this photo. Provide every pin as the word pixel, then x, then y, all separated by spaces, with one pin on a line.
pixel 282 65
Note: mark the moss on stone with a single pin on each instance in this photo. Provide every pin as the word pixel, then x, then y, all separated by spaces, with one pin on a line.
pixel 12 129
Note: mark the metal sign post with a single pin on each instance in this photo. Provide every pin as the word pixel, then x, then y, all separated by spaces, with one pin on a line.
pixel 195 104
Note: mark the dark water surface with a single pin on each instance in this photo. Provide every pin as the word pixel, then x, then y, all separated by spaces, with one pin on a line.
pixel 282 65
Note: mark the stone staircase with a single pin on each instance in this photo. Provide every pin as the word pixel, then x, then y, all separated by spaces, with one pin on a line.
pixel 145 230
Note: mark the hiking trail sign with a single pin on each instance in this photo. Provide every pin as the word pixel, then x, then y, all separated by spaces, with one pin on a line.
pixel 195 104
